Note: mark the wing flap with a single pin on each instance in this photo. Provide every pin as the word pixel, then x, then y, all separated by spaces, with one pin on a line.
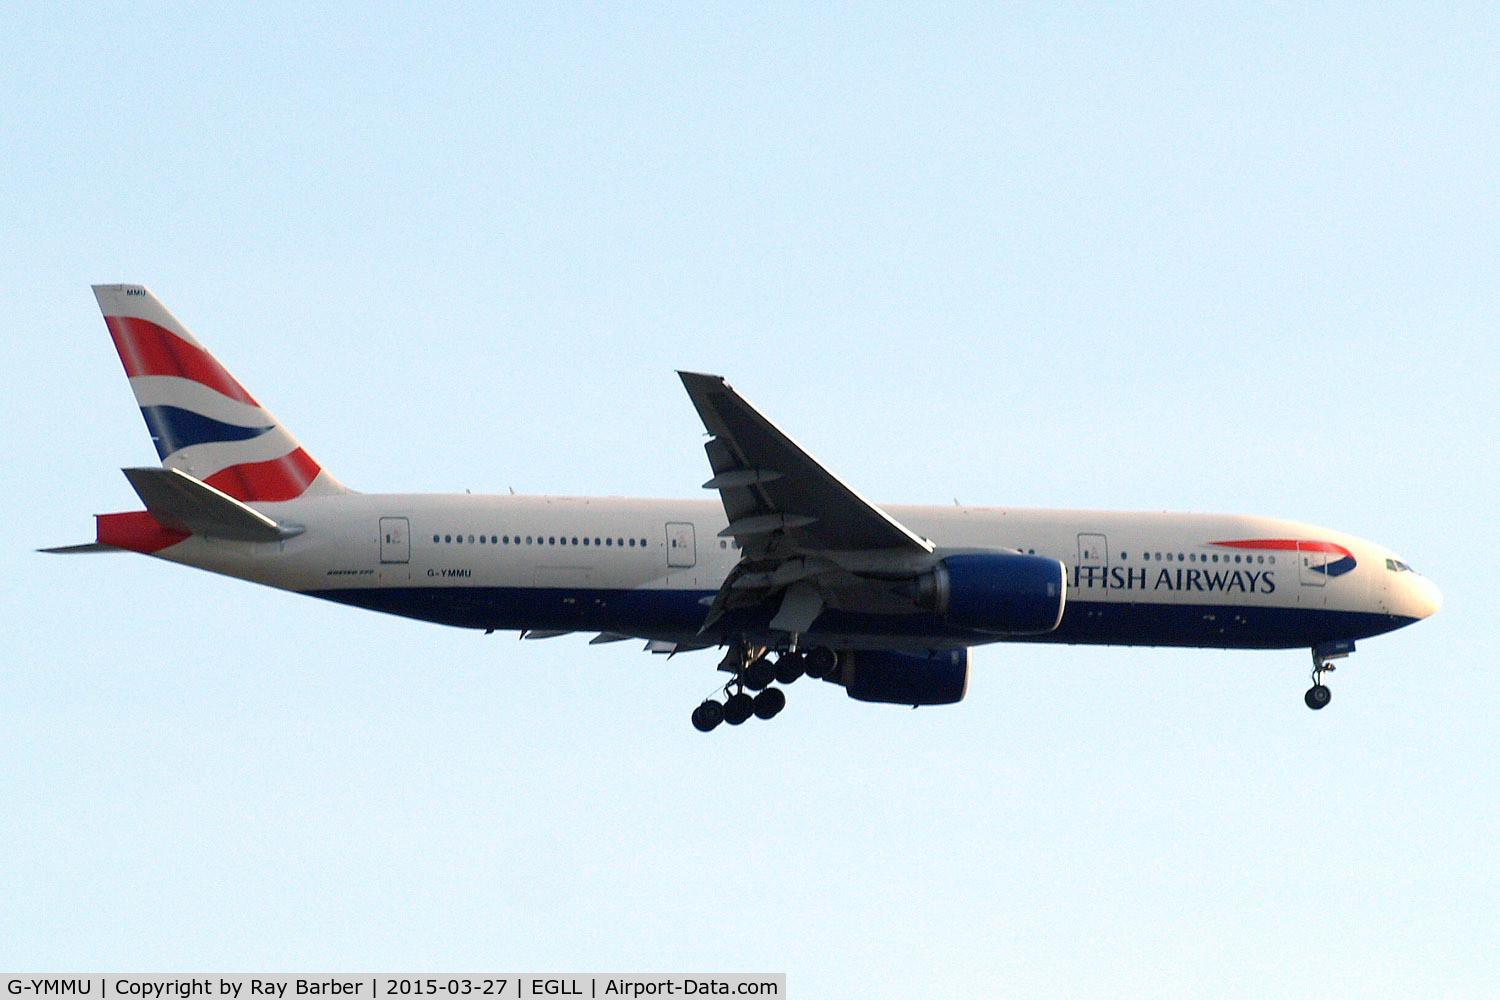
pixel 798 526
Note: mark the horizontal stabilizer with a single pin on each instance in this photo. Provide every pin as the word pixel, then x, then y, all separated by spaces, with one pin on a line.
pixel 74 550
pixel 180 502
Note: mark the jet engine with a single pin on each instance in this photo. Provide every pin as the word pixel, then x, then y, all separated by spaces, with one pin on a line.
pixel 938 678
pixel 999 593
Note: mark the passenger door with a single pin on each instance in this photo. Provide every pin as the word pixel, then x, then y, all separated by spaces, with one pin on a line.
pixel 395 540
pixel 682 548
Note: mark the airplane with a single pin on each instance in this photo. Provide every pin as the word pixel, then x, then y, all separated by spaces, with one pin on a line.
pixel 790 571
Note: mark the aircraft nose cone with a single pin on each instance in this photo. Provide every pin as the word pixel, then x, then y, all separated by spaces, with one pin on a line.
pixel 1424 597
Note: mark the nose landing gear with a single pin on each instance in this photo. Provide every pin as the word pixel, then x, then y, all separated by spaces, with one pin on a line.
pixel 1318 696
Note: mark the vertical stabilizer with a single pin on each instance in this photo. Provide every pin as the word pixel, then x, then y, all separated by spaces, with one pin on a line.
pixel 201 419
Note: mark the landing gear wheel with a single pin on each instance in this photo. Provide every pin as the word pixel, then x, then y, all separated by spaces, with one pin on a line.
pixel 788 667
pixel 1323 655
pixel 759 675
pixel 819 662
pixel 769 702
pixel 738 708
pixel 707 716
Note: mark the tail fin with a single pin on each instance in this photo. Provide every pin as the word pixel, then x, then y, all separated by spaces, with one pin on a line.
pixel 201 420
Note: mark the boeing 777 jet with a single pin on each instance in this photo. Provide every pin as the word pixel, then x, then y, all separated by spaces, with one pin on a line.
pixel 789 570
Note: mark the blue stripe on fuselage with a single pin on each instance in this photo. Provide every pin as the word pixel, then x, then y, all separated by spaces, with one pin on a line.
pixel 681 612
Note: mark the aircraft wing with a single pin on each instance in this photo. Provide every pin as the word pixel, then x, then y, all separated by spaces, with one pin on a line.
pixel 793 520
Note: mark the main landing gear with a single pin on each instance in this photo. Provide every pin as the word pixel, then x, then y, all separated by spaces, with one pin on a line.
pixel 753 672
pixel 1318 696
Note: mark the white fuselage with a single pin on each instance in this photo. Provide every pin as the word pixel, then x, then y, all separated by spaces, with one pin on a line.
pixel 649 568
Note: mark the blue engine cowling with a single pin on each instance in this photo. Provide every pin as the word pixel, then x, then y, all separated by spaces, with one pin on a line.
pixel 938 678
pixel 1000 593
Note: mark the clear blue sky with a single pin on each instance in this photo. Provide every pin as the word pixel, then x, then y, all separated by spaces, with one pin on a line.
pixel 1175 258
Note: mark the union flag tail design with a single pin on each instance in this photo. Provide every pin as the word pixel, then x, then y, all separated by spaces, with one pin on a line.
pixel 201 419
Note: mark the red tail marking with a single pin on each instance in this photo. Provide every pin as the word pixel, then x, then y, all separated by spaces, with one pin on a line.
pixel 136 530
pixel 284 478
pixel 147 349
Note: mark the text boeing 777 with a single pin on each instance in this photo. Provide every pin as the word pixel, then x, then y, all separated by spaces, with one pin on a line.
pixel 790 562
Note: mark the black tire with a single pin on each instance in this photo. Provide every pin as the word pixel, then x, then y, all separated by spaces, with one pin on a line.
pixel 738 708
pixel 707 716
pixel 819 662
pixel 788 667
pixel 769 702
pixel 1318 696
pixel 759 675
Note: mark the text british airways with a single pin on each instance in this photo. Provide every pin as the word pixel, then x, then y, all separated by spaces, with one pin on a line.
pixel 1175 579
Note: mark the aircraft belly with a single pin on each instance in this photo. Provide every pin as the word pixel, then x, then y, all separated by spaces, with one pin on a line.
pixel 645 612
pixel 1213 625
pixel 656 612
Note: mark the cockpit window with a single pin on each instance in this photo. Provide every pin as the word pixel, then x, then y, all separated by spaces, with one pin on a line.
pixel 1397 566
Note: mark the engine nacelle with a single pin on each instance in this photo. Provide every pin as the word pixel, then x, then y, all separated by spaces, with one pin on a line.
pixel 1000 593
pixel 914 679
